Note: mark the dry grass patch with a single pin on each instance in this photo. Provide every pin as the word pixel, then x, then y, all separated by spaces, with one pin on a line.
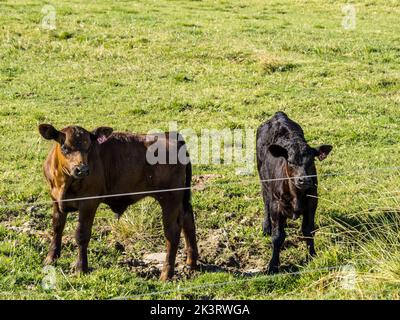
pixel 270 63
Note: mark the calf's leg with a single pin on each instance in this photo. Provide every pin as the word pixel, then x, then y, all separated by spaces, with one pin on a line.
pixel 308 224
pixel 308 229
pixel 59 219
pixel 189 231
pixel 172 220
pixel 278 237
pixel 267 229
pixel 83 233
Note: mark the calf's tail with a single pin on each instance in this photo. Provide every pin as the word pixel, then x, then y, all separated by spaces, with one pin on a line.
pixel 187 197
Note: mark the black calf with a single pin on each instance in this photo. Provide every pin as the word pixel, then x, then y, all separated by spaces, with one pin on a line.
pixel 288 176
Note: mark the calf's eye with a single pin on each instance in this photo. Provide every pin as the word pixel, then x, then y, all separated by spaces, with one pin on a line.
pixel 64 149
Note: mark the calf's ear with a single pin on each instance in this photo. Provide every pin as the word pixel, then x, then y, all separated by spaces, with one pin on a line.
pixel 322 151
pixel 101 134
pixel 49 132
pixel 278 151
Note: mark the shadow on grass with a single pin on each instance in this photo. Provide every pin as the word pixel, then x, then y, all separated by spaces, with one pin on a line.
pixel 368 221
pixel 212 268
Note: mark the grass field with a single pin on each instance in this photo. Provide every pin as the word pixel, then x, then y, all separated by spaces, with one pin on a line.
pixel 136 66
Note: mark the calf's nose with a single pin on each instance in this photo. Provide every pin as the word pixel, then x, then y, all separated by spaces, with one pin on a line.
pixel 301 180
pixel 82 170
pixel 304 181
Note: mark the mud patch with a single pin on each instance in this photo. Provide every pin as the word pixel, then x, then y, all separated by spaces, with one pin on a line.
pixel 150 266
pixel 38 217
pixel 217 253
pixel 8 215
pixel 26 228
pixel 216 250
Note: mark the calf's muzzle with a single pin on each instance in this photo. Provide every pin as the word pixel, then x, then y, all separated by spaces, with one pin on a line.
pixel 81 171
pixel 303 183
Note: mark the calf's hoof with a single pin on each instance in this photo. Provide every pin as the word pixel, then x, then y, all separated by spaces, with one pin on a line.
pixel 191 265
pixel 189 269
pixel 165 276
pixel 79 269
pixel 311 255
pixel 272 269
pixel 50 259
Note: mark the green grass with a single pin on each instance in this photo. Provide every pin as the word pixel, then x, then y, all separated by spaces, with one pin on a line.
pixel 230 64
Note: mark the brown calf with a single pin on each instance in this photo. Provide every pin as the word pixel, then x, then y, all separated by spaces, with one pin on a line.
pixel 101 163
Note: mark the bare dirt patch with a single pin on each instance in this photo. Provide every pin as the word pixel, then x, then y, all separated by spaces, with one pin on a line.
pixel 217 254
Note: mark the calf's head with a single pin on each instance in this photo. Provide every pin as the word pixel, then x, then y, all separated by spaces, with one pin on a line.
pixel 73 147
pixel 299 162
